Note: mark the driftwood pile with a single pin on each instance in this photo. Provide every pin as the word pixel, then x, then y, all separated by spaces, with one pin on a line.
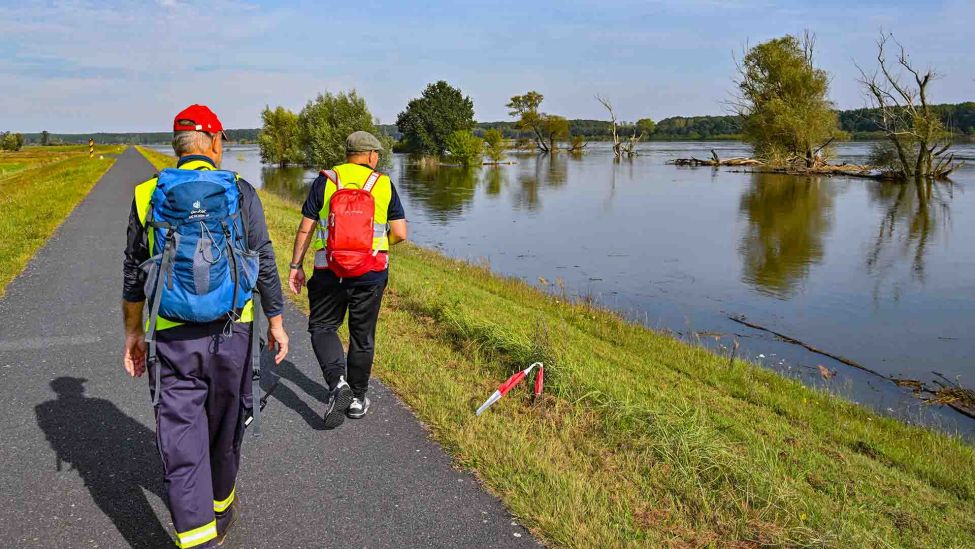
pixel 715 161
pixel 791 168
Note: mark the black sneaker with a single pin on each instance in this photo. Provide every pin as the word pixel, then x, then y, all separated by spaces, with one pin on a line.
pixel 358 408
pixel 338 402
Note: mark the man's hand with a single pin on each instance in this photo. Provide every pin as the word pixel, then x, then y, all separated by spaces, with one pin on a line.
pixel 277 338
pixel 296 280
pixel 134 355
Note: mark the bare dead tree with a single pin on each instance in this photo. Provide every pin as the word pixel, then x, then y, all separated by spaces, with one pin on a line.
pixel 620 148
pixel 915 130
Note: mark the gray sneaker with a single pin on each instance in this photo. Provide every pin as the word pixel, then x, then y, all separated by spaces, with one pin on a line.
pixel 338 402
pixel 358 408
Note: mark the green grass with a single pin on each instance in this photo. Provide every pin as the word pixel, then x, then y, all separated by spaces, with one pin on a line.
pixel 39 187
pixel 642 440
pixel 157 159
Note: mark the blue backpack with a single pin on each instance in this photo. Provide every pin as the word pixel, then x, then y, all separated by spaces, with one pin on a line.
pixel 204 271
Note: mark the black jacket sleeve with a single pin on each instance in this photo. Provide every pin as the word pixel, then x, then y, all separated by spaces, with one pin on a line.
pixel 258 240
pixel 136 253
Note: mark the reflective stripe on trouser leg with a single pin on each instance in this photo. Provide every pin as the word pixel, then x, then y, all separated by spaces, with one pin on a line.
pixel 222 505
pixel 197 536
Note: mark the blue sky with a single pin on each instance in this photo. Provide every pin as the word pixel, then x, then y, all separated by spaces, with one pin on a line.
pixel 130 66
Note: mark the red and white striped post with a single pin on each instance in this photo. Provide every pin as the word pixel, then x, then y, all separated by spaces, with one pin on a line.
pixel 511 382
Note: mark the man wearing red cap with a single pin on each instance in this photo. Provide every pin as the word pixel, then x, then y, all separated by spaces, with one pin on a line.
pixel 198 370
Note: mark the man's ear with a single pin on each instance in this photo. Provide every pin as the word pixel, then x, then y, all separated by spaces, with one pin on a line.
pixel 216 145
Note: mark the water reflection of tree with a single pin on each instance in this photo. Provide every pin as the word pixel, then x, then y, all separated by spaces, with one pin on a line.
pixel 555 167
pixel 912 213
pixel 443 191
pixel 788 217
pixel 496 180
pixel 548 170
pixel 286 182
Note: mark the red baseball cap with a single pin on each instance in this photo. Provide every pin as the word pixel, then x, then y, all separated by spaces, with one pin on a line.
pixel 198 118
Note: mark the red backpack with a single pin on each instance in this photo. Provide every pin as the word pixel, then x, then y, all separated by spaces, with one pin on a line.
pixel 351 227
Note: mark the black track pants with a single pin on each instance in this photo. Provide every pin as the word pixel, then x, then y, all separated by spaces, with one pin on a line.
pixel 329 301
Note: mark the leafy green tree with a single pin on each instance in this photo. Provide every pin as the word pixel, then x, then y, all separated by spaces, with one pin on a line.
pixel 10 141
pixel 525 108
pixel 430 120
pixel 646 126
pixel 555 128
pixel 783 103
pixel 494 145
pixel 45 138
pixel 328 119
pixel 465 147
pixel 280 137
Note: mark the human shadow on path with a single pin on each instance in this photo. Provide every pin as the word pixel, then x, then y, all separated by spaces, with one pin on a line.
pixel 115 456
pixel 283 393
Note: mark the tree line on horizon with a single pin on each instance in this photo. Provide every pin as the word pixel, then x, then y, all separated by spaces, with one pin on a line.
pixel 860 123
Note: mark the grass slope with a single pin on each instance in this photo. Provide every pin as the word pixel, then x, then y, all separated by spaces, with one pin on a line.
pixel 39 187
pixel 642 440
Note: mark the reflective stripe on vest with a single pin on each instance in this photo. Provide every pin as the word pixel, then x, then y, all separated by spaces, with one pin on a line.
pixel 354 175
pixel 143 195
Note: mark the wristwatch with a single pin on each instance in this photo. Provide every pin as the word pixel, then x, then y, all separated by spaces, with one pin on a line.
pixel 295 265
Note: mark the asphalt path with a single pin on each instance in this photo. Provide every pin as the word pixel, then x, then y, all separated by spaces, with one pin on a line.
pixel 78 461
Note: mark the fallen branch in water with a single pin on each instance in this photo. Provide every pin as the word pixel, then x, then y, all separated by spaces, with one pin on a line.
pixel 794 341
pixel 950 394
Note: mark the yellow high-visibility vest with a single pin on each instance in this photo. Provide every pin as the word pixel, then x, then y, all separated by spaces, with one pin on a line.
pixel 143 195
pixel 354 176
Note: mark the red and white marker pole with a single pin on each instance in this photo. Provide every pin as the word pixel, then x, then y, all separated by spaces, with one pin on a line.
pixel 511 382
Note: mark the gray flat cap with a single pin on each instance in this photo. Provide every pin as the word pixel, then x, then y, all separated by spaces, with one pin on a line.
pixel 362 142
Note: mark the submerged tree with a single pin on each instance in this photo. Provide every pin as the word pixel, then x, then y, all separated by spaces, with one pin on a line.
pixel 429 120
pixel 494 145
pixel 554 128
pixel 280 137
pixel 786 114
pixel 525 107
pixel 328 120
pixel 915 130
pixel 465 147
pixel 620 147
pixel 547 129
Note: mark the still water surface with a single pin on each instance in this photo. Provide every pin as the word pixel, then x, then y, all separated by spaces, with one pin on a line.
pixel 852 266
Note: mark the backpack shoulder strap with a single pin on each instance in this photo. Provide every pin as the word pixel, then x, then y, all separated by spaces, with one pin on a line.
pixel 242 211
pixel 333 176
pixel 371 181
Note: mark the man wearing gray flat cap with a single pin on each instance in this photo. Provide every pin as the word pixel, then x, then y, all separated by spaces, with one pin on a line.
pixel 351 217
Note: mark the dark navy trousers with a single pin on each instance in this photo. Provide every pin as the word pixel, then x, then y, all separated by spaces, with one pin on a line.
pixel 205 393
